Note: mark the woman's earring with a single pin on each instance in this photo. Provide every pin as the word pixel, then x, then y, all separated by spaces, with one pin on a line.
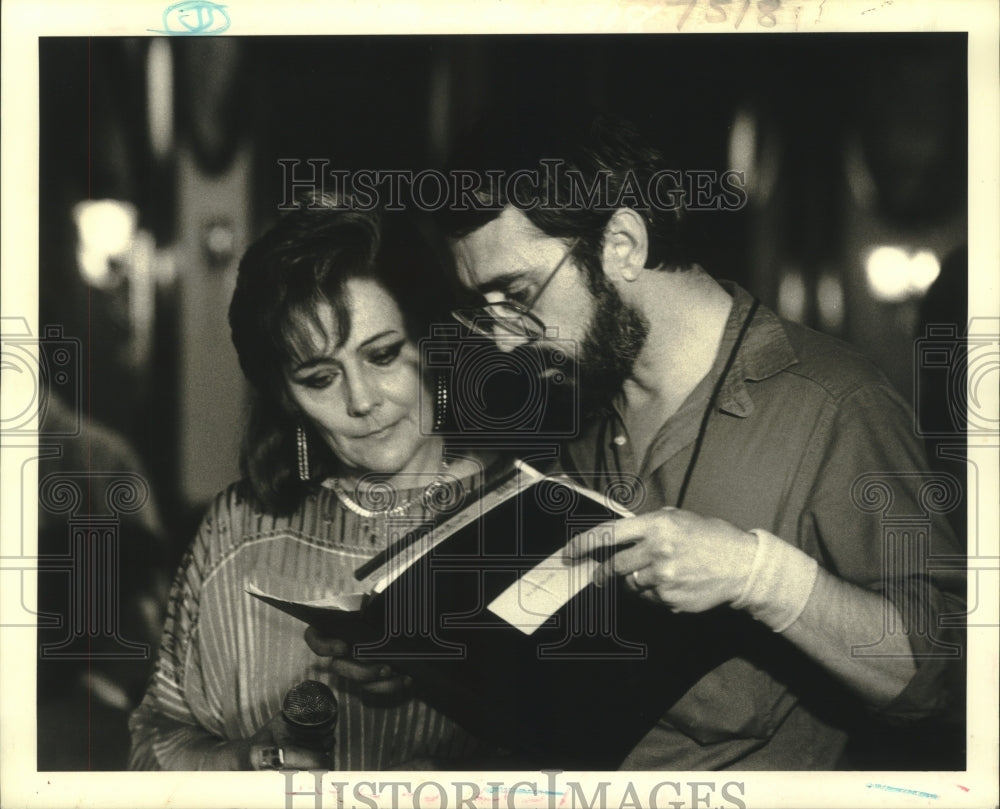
pixel 440 403
pixel 302 452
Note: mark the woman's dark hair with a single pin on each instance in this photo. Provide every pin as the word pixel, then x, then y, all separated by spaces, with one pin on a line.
pixel 300 263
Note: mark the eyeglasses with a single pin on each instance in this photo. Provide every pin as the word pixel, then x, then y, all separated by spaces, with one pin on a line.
pixel 510 318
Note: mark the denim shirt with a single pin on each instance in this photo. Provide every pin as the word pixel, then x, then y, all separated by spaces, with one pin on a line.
pixel 809 441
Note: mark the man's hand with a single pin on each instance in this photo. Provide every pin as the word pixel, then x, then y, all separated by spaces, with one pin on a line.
pixel 375 679
pixel 688 562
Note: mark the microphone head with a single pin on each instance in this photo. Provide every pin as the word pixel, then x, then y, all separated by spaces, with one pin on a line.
pixel 310 704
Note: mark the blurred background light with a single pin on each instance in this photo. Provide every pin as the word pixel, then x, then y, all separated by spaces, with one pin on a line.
pixel 895 274
pixel 160 97
pixel 105 229
pixel 830 299
pixel 743 148
pixel 792 296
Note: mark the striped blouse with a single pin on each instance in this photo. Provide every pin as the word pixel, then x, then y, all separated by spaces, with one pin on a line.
pixel 226 659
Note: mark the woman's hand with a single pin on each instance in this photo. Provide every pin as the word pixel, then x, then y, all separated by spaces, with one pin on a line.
pixel 271 748
pixel 374 679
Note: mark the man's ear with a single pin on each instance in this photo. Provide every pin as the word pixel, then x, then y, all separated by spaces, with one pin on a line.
pixel 626 245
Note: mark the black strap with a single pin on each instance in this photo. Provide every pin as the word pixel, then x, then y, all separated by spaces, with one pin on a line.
pixel 712 401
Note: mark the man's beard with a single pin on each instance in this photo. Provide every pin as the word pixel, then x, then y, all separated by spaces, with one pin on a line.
pixel 604 359
pixel 615 336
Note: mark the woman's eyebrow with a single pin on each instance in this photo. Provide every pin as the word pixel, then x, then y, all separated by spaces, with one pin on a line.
pixel 379 336
pixel 322 359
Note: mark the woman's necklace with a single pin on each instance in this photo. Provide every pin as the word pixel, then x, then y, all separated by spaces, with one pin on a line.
pixel 382 492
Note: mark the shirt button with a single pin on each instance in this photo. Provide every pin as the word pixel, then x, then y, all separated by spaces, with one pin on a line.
pixel 620 440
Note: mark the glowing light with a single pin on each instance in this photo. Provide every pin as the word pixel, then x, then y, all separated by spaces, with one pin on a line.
pixel 830 300
pixel 743 146
pixel 924 270
pixel 105 228
pixel 792 297
pixel 894 274
pixel 160 94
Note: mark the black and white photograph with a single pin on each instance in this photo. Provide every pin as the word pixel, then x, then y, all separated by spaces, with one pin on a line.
pixel 572 406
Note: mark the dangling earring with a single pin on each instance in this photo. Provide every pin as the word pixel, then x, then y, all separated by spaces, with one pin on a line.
pixel 440 402
pixel 302 452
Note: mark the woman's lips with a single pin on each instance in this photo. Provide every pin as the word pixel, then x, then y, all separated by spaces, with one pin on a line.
pixel 380 433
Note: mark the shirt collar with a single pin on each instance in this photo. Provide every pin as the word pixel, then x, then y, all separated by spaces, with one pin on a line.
pixel 764 353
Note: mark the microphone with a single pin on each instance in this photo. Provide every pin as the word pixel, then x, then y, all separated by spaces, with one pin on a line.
pixel 310 714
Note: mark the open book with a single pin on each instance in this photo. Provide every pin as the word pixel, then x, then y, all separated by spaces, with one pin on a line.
pixel 500 632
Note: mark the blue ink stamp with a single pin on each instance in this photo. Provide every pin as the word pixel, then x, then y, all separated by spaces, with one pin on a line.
pixel 918 793
pixel 194 18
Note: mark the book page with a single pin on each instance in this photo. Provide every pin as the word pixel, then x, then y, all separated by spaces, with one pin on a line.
pixel 335 602
pixel 542 592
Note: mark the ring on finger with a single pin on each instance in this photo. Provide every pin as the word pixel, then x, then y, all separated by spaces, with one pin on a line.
pixel 268 758
pixel 635 579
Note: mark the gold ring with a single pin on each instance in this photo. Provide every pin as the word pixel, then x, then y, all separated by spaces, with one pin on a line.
pixel 635 579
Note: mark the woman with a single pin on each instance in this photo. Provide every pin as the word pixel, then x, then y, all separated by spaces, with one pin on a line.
pixel 325 317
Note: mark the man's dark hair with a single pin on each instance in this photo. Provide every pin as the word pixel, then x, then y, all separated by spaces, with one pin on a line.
pixel 588 164
pixel 299 264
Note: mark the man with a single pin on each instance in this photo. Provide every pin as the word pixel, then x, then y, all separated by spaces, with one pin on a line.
pixel 771 456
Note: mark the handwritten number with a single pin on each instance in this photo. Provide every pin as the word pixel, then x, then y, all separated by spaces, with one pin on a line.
pixel 716 12
pixel 765 12
pixel 743 13
pixel 687 12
